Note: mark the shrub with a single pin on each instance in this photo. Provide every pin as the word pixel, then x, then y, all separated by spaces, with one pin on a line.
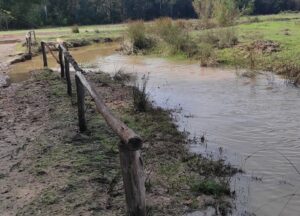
pixel 289 70
pixel 204 10
pixel 225 12
pixel 206 54
pixel 211 187
pixel 122 77
pixel 75 29
pixel 221 38
pixel 183 24
pixel 170 33
pixel 227 38
pixel 140 95
pixel 190 48
pixel 137 34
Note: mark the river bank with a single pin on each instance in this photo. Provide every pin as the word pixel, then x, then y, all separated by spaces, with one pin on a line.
pixel 53 169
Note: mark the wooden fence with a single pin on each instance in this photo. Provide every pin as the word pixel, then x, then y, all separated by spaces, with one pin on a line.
pixel 131 143
pixel 30 40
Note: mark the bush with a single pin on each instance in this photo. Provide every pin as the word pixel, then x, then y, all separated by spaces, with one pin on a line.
pixel 137 34
pixel 170 33
pixel 225 12
pixel 211 187
pixel 206 54
pixel 175 34
pixel 227 38
pixel 121 77
pixel 140 96
pixel 221 38
pixel 75 29
pixel 190 48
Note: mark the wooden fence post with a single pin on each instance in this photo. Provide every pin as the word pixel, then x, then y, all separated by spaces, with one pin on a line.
pixel 68 77
pixel 134 180
pixel 44 54
pixel 61 59
pixel 80 103
pixel 34 35
pixel 29 45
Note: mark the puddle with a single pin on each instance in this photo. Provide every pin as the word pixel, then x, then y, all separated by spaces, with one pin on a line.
pixel 20 72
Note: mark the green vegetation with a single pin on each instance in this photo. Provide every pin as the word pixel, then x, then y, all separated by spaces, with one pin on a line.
pixel 225 12
pixel 211 187
pixel 256 43
pixel 75 29
pixel 138 36
pixel 266 45
pixel 140 96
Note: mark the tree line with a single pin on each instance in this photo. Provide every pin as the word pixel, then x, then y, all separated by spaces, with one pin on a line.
pixel 37 13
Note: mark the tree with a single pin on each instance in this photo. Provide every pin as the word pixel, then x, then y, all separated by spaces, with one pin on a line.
pixel 225 11
pixel 203 8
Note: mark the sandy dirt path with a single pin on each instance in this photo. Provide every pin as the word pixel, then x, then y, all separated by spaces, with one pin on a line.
pixel 18 126
pixel 22 118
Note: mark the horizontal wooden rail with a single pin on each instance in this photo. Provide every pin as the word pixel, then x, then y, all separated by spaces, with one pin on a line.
pixel 71 59
pixel 129 138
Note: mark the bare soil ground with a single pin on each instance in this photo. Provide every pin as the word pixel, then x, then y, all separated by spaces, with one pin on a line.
pixel 23 117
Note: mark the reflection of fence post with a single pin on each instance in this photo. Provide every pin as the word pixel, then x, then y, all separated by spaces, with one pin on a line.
pixel 80 103
pixel 134 182
pixel 61 59
pixel 44 54
pixel 68 77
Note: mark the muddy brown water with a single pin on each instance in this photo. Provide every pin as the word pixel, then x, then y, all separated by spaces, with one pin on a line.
pixel 252 123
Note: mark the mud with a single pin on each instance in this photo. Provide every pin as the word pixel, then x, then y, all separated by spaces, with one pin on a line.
pixel 23 117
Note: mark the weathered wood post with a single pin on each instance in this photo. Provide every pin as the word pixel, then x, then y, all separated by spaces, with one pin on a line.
pixel 68 77
pixel 61 62
pixel 134 180
pixel 29 45
pixel 44 54
pixel 34 35
pixel 80 103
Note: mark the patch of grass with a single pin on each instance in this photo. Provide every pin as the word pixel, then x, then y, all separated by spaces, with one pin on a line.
pixel 211 187
pixel 220 38
pixel 122 77
pixel 75 29
pixel 49 198
pixel 140 95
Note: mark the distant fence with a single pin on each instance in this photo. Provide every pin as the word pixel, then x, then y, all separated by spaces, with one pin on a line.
pixel 131 143
pixel 30 40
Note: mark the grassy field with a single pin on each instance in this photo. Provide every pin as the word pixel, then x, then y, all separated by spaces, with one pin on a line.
pixel 285 31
